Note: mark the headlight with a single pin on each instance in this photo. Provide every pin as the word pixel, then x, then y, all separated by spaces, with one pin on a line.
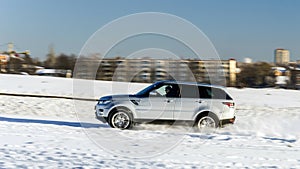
pixel 104 101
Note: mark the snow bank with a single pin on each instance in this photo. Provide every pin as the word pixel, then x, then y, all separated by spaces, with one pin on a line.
pixel 55 86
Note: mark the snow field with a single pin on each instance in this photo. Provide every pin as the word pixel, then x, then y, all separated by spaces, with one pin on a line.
pixel 62 133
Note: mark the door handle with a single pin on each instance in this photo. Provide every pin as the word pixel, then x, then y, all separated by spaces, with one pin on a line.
pixel 169 100
pixel 199 101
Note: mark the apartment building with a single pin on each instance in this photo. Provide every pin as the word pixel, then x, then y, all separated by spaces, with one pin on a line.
pixel 147 70
pixel 150 70
pixel 282 56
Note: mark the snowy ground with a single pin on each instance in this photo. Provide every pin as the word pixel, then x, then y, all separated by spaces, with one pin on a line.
pixel 62 133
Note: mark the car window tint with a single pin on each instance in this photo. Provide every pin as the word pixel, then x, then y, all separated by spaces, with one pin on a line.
pixel 205 92
pixel 189 91
pixel 228 97
pixel 218 94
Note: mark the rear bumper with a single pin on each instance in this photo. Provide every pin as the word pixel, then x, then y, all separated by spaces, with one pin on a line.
pixel 227 121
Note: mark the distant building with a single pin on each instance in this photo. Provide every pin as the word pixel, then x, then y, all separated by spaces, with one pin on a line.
pixel 10 60
pixel 247 60
pixel 295 78
pixel 149 70
pixel 54 72
pixel 282 56
pixel 295 75
pixel 282 76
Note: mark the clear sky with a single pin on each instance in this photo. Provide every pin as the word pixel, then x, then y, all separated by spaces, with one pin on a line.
pixel 237 28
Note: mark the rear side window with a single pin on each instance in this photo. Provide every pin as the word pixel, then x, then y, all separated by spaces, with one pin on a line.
pixel 228 97
pixel 213 93
pixel 203 92
pixel 218 94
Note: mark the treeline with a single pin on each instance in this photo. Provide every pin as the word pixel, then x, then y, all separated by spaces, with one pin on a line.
pixel 61 61
pixel 256 75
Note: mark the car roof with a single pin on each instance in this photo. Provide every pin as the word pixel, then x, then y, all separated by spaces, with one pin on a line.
pixel 189 83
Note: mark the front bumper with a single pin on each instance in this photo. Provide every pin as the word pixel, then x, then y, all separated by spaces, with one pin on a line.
pixel 101 112
pixel 101 118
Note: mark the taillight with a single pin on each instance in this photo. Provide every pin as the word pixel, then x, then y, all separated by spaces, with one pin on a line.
pixel 229 104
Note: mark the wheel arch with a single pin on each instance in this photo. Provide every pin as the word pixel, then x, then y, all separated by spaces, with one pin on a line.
pixel 115 108
pixel 203 113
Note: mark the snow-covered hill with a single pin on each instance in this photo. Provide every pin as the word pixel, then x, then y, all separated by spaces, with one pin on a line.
pixel 62 133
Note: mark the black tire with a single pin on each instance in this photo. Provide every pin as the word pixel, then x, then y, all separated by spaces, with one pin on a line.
pixel 120 118
pixel 206 121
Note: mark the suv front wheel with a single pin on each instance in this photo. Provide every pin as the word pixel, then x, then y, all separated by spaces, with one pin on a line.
pixel 121 119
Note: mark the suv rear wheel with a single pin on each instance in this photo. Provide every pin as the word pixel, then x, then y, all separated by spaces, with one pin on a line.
pixel 121 119
pixel 206 121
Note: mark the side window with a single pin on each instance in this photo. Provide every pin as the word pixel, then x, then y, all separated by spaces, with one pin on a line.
pixel 205 92
pixel 228 97
pixel 162 90
pixel 218 94
pixel 189 91
pixel 167 90
pixel 172 90
pixel 213 93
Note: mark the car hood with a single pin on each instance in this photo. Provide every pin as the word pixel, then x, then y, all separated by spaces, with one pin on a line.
pixel 118 97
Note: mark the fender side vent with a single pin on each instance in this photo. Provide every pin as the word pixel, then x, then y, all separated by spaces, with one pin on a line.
pixel 134 102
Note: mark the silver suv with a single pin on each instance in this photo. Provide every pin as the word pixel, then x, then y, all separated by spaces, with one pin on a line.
pixel 169 101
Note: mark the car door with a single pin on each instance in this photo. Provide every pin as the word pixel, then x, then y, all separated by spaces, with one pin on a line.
pixel 157 106
pixel 189 103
